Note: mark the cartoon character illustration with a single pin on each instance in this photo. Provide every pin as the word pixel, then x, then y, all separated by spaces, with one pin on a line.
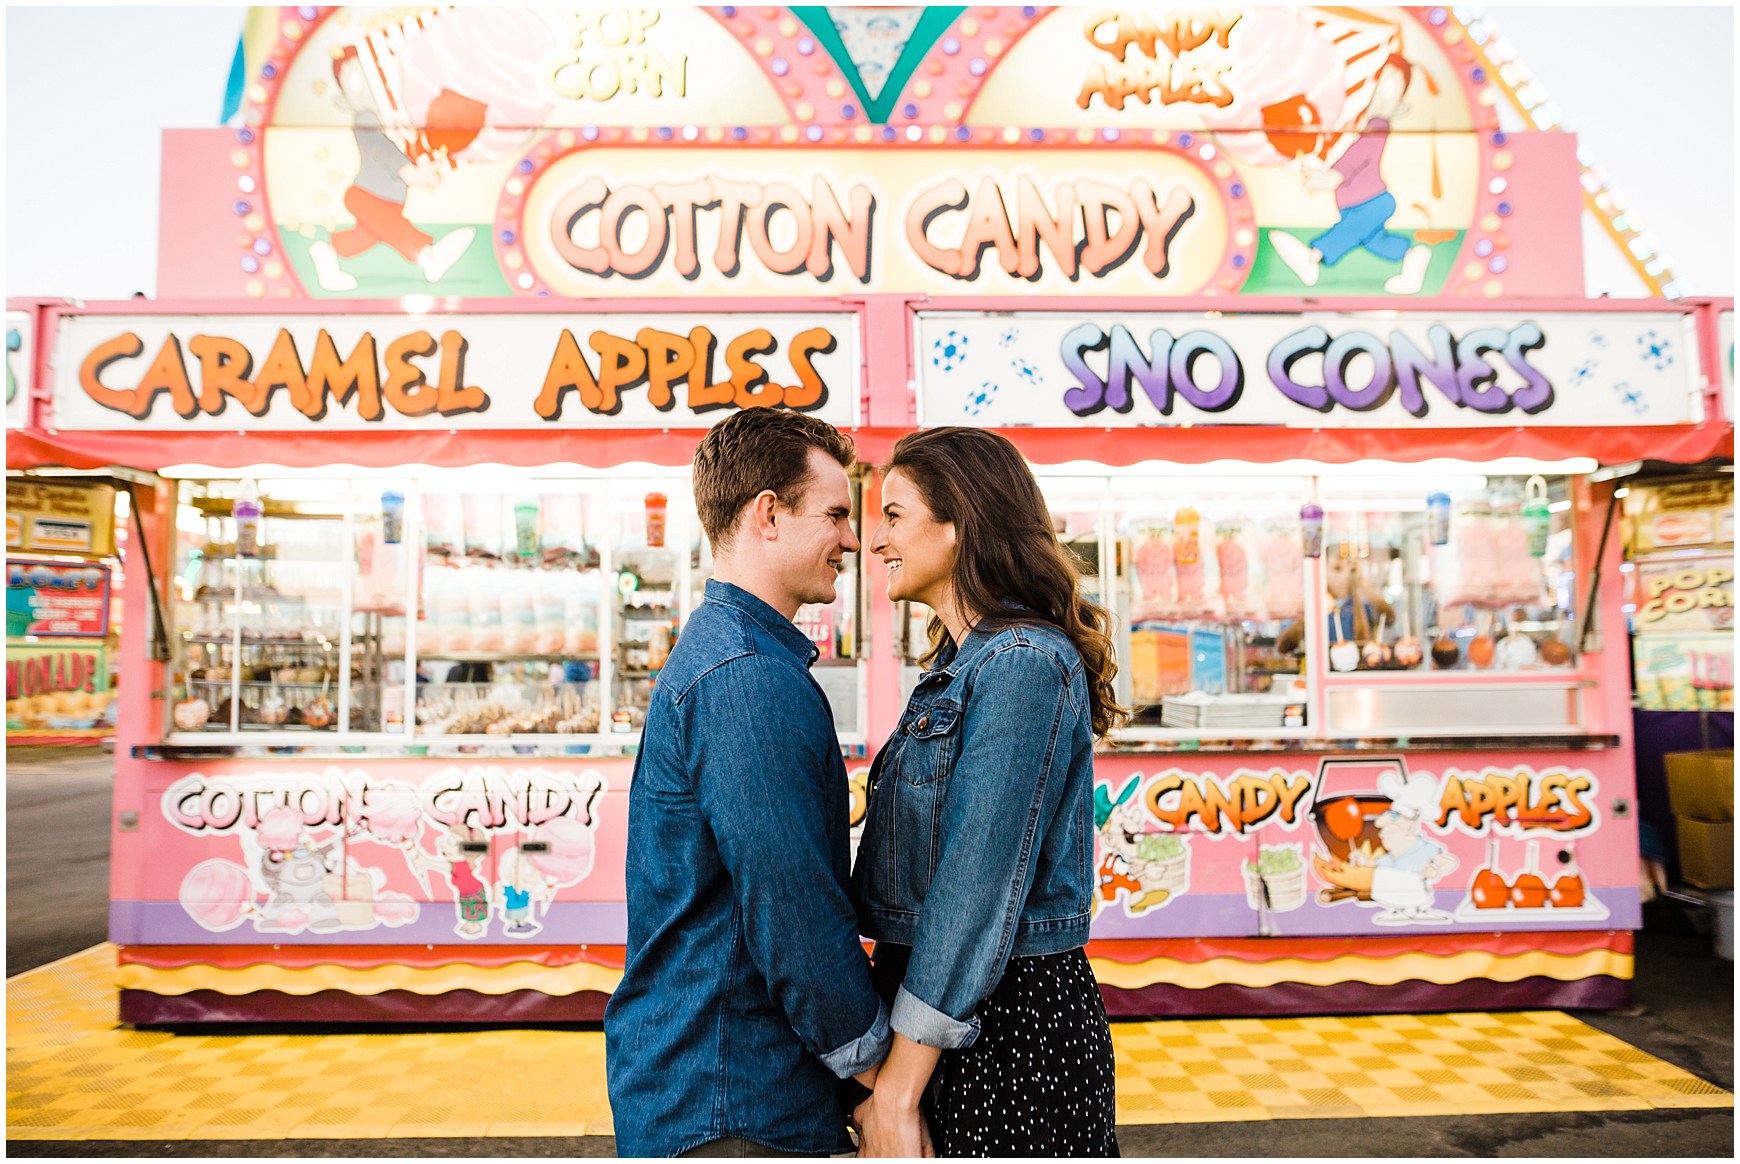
pixel 471 894
pixel 1328 84
pixel 442 90
pixel 392 815
pixel 1398 872
pixel 520 882
pixel 294 870
pixel 1363 202
pixel 297 891
pixel 303 887
pixel 1148 867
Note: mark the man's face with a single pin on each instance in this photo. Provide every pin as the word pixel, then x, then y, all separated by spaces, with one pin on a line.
pixel 815 537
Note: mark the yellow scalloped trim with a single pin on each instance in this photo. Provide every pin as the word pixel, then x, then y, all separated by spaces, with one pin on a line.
pixel 1442 970
pixel 566 980
pixel 556 981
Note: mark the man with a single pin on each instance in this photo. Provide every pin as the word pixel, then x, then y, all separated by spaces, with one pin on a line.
pixel 746 996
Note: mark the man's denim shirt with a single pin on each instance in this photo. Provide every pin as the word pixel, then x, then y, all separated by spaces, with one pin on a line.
pixel 978 844
pixel 746 991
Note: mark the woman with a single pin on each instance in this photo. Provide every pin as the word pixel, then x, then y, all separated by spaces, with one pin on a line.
pixel 974 874
pixel 1356 607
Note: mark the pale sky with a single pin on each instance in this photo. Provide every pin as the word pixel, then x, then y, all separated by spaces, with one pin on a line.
pixel 1649 90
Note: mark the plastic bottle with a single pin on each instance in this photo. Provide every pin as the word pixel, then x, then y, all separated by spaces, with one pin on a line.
pixel 655 520
pixel 1438 518
pixel 246 510
pixel 392 516
pixel 1311 529
pixel 526 545
pixel 1537 517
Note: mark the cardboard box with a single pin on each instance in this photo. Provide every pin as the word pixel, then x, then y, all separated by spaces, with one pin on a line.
pixel 1701 785
pixel 1706 852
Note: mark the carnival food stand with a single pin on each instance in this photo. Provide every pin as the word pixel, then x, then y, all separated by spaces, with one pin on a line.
pixel 421 552
pixel 62 577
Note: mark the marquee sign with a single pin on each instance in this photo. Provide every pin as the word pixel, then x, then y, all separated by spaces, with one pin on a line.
pixel 1142 221
pixel 296 373
pixel 1328 370
pixel 644 151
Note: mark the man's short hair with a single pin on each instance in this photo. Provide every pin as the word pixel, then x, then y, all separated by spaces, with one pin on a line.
pixel 753 450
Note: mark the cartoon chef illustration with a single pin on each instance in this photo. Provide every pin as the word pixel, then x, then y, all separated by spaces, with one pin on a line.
pixel 1401 877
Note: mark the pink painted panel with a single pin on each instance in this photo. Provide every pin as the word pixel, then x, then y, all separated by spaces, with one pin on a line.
pixel 1358 844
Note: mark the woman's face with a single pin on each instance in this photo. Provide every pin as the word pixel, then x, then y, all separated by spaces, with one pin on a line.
pixel 918 549
pixel 1337 574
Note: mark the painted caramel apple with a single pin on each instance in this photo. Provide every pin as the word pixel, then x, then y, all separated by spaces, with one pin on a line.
pixel 1374 655
pixel 1489 890
pixel 1567 892
pixel 1343 656
pixel 1345 819
pixel 1408 651
pixel 1528 891
pixel 1346 824
pixel 1555 653
pixel 318 713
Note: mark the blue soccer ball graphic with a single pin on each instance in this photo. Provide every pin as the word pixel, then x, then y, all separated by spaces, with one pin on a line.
pixel 980 398
pixel 1026 370
pixel 949 350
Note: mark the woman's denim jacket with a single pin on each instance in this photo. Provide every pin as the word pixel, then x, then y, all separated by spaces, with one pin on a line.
pixel 978 843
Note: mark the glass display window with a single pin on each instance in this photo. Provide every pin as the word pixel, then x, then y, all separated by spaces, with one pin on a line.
pixel 1208 575
pixel 273 632
pixel 647 569
pixel 508 642
pixel 1462 573
pixel 541 607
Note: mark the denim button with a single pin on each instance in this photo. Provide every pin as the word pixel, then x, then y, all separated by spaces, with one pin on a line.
pixel 923 722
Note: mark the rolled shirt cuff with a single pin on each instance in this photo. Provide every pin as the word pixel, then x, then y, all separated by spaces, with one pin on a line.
pixel 864 1052
pixel 926 1025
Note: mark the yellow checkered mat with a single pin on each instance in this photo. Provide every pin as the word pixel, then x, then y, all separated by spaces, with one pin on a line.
pixel 72 1073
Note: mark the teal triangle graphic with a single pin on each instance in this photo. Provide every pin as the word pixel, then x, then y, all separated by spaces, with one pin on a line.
pixel 877 106
pixel 874 38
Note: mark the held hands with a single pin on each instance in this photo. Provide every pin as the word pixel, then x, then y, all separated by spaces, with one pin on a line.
pixel 890 1130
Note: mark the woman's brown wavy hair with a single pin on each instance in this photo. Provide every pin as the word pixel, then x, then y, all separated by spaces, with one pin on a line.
pixel 1006 551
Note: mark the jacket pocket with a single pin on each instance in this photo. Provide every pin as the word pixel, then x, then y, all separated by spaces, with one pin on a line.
pixel 933 736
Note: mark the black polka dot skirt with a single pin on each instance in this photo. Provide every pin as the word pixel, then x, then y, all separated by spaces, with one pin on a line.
pixel 1039 1080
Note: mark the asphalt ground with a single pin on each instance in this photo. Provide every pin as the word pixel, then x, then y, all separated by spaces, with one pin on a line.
pixel 57 810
